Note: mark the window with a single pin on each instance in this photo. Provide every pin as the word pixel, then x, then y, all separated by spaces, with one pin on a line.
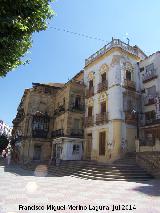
pixel 141 69
pixel 76 124
pixel 77 101
pixel 128 75
pixel 102 143
pixel 76 149
pixel 103 107
pixel 90 84
pixel 103 76
pixel 90 110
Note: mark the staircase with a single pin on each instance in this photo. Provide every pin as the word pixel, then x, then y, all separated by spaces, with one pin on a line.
pixel 123 169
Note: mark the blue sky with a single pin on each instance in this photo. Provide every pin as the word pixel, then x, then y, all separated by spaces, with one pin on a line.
pixel 58 56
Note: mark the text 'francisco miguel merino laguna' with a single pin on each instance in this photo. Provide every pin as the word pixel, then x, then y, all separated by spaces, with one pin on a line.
pixel 96 208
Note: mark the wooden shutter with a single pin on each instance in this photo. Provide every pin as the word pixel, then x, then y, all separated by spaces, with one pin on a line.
pixel 103 77
pixel 102 142
pixel 103 107
pixel 90 109
pixel 90 84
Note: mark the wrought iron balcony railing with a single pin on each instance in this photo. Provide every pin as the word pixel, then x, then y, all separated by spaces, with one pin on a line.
pixel 129 84
pixel 130 118
pixel 102 86
pixel 149 100
pixel 74 133
pixel 89 121
pixel 77 133
pixel 78 108
pixel 147 142
pixel 39 133
pixel 148 76
pixel 57 133
pixel 90 92
pixel 102 118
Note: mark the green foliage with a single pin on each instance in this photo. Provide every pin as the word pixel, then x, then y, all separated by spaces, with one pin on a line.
pixel 3 142
pixel 19 19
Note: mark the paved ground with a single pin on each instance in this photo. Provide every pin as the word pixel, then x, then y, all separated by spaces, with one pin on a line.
pixel 20 187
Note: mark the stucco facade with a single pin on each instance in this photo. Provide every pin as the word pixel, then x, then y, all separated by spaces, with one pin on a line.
pixel 119 92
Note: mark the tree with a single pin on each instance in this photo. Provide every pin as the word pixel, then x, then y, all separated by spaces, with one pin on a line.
pixel 3 142
pixel 19 19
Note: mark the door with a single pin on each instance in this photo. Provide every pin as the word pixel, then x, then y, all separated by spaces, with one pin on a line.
pixel 37 152
pixel 89 146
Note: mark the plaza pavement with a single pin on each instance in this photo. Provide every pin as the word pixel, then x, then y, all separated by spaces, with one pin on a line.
pixel 22 187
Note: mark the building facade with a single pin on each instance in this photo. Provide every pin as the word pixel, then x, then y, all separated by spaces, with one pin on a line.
pixel 50 112
pixel 68 134
pixel 98 114
pixel 5 129
pixel 150 117
pixel 113 93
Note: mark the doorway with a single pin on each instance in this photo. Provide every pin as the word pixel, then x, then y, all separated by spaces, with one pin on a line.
pixel 89 146
pixel 37 152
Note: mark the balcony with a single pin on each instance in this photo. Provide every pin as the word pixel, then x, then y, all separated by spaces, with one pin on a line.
pixel 152 121
pixel 131 85
pixel 148 76
pixel 103 86
pixel 102 118
pixel 57 133
pixel 147 142
pixel 77 133
pixel 39 133
pixel 130 118
pixel 60 110
pixel 78 108
pixel 89 121
pixel 90 92
pixel 149 100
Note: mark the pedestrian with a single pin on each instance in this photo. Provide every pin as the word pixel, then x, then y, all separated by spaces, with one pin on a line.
pixel 8 157
pixel 4 153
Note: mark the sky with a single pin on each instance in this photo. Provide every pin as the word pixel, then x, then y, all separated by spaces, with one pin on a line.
pixel 56 56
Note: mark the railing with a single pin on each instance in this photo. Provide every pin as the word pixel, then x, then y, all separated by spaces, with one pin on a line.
pixel 102 86
pixel 74 133
pixel 152 121
pixel 129 84
pixel 39 133
pixel 148 76
pixel 57 133
pixel 130 118
pixel 101 118
pixel 149 100
pixel 147 142
pixel 79 108
pixel 89 121
pixel 59 110
pixel 113 43
pixel 90 92
pixel 77 133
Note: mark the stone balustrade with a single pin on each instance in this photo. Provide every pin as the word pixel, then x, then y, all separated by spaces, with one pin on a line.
pixel 113 43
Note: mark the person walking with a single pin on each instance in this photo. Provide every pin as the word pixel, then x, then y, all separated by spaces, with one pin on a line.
pixel 8 157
